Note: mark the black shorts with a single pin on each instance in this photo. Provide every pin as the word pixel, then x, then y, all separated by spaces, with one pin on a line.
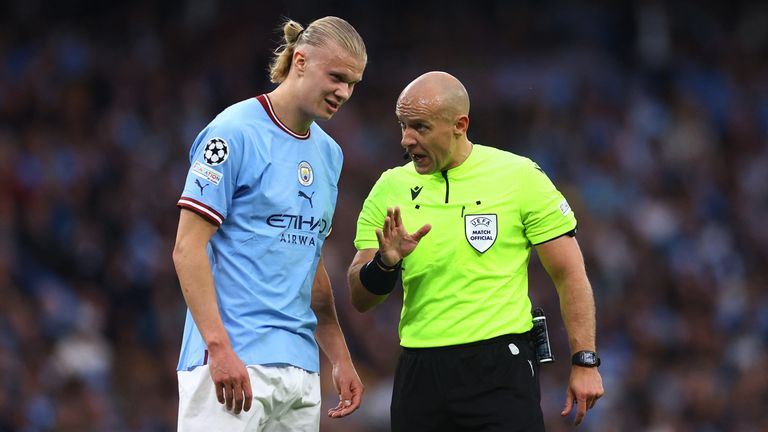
pixel 487 386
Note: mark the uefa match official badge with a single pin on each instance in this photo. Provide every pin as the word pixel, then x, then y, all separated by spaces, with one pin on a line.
pixel 306 176
pixel 481 231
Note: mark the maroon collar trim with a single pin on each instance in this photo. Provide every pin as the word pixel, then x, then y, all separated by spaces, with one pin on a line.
pixel 267 104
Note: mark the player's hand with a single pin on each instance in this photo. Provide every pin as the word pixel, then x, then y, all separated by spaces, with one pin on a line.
pixel 231 380
pixel 394 241
pixel 350 389
pixel 584 389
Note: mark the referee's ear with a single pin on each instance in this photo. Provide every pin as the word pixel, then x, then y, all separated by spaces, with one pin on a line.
pixel 461 124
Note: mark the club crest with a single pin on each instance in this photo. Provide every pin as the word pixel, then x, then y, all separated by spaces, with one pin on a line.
pixel 306 176
pixel 481 231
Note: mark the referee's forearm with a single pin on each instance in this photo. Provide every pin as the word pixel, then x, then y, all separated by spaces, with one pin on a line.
pixel 577 306
pixel 564 263
pixel 362 299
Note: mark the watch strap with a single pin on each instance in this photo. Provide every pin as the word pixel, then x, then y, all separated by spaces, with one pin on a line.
pixel 585 359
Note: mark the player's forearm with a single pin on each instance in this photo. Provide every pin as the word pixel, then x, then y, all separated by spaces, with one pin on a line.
pixel 577 307
pixel 196 280
pixel 328 332
pixel 331 340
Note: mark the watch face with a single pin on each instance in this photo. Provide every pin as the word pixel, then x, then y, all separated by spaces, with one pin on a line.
pixel 586 358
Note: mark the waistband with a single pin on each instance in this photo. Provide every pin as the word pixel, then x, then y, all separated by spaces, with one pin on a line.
pixel 521 338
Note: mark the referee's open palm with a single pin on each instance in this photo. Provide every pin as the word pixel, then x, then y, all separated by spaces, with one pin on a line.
pixel 394 241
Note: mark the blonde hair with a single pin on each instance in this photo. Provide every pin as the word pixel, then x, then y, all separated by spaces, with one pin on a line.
pixel 318 33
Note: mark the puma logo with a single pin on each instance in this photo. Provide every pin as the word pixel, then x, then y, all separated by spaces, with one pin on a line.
pixel 308 198
pixel 197 182
pixel 415 191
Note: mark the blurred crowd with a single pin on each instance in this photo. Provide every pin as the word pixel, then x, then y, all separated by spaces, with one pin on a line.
pixel 651 117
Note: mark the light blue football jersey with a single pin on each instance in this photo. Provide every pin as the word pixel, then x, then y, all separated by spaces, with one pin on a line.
pixel 272 192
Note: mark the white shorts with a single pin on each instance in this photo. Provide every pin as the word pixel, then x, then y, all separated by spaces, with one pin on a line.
pixel 285 398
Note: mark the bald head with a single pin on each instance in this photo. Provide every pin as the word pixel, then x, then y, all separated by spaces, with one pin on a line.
pixel 433 112
pixel 438 92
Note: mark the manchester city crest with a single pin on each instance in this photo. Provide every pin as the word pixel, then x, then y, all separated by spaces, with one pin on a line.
pixel 481 231
pixel 306 176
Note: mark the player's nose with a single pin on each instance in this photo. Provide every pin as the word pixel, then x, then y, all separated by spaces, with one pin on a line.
pixel 343 93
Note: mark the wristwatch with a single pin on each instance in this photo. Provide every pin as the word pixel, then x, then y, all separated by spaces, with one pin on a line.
pixel 586 359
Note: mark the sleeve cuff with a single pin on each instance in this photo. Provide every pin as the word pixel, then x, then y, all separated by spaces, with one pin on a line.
pixel 571 233
pixel 201 209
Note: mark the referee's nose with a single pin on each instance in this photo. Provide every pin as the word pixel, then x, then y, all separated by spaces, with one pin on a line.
pixel 408 139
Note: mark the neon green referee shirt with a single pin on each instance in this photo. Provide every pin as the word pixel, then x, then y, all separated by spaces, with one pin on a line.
pixel 467 280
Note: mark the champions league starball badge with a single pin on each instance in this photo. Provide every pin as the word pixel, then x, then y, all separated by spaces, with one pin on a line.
pixel 216 151
pixel 306 176
pixel 481 231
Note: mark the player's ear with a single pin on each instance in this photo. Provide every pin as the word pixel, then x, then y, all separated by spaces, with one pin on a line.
pixel 300 61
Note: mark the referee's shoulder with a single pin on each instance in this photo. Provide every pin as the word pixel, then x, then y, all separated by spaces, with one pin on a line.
pixel 399 173
pixel 497 155
pixel 395 177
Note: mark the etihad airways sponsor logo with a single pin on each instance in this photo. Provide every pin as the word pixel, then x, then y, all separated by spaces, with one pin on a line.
pixel 302 225
pixel 298 222
pixel 297 239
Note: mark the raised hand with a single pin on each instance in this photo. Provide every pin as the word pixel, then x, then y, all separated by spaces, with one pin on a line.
pixel 395 243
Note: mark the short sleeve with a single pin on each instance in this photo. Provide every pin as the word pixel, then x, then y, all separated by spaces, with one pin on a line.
pixel 372 216
pixel 544 211
pixel 215 159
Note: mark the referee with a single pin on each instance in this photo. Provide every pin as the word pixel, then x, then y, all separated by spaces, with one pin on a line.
pixel 457 223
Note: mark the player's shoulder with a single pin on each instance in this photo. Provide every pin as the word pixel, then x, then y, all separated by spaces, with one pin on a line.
pixel 238 123
pixel 319 134
pixel 231 120
pixel 236 114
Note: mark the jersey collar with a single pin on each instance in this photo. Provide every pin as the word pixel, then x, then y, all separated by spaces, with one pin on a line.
pixel 267 104
pixel 464 166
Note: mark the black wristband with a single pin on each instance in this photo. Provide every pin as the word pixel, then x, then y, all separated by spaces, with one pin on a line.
pixel 377 259
pixel 377 280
